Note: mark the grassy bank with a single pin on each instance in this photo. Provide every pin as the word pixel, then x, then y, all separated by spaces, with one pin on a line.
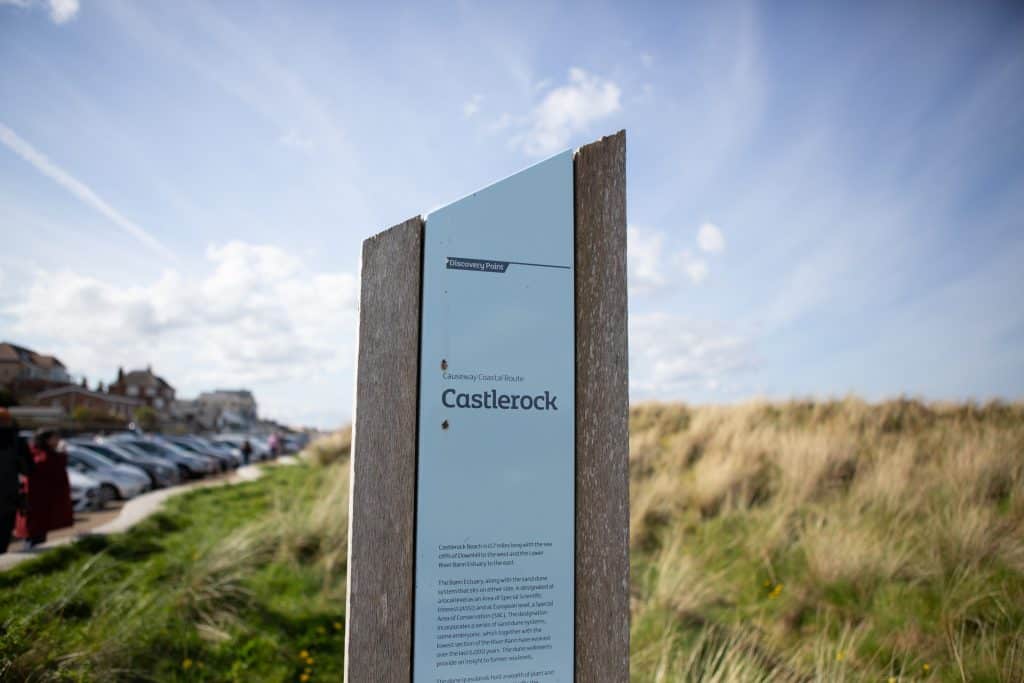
pixel 242 583
pixel 770 542
pixel 831 541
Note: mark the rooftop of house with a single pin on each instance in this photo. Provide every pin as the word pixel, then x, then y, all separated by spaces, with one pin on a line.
pixel 141 378
pixel 13 353
pixel 82 391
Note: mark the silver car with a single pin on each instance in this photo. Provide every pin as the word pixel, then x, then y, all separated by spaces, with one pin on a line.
pixel 117 481
pixel 85 491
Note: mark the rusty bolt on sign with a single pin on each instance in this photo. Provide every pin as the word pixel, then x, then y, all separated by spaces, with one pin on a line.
pixel 444 425
pixel 444 364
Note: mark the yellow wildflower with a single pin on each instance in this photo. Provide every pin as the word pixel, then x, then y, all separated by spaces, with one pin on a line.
pixel 304 678
pixel 926 667
pixel 337 626
pixel 840 656
pixel 304 654
pixel 186 663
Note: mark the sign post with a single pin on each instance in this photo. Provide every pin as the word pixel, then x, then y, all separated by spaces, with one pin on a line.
pixel 489 511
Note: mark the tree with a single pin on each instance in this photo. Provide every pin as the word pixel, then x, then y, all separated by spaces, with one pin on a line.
pixel 146 419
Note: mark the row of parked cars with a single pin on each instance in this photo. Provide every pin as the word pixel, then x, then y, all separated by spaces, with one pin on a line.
pixel 123 465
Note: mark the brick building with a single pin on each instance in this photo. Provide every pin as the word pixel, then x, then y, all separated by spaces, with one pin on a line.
pixel 72 396
pixel 144 386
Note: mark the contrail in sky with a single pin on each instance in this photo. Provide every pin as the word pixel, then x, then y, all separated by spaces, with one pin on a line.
pixel 76 187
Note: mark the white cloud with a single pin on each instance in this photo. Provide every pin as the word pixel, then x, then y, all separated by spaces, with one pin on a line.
pixel 710 238
pixel 62 11
pixel 645 267
pixel 696 269
pixel 293 140
pixel 256 317
pixel 567 110
pixel 671 355
pixel 83 192
pixel 652 267
pixel 471 106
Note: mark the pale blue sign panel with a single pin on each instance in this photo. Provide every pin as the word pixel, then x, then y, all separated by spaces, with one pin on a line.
pixel 495 485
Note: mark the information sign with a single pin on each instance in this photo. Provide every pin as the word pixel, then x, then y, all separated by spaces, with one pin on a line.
pixel 495 482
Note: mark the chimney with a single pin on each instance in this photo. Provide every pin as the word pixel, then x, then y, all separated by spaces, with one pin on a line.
pixel 120 374
pixel 85 384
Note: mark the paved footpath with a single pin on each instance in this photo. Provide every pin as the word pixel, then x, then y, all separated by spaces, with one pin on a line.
pixel 138 509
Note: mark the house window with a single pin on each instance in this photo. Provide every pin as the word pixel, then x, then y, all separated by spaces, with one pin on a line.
pixel 133 391
pixel 159 402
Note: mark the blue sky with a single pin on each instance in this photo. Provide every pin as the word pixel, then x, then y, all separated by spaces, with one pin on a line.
pixel 823 198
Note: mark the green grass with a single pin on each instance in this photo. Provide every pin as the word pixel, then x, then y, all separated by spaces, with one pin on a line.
pixel 834 541
pixel 786 542
pixel 220 585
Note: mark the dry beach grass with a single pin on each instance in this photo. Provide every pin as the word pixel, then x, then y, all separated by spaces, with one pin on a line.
pixel 788 542
pixel 828 541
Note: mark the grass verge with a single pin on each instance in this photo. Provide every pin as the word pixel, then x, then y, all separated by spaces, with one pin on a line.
pixel 235 583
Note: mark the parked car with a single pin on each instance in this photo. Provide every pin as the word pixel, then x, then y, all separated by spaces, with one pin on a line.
pixel 85 491
pixel 260 451
pixel 226 461
pixel 160 472
pixel 191 465
pixel 205 444
pixel 116 481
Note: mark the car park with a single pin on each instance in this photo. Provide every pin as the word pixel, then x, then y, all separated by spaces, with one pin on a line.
pixel 203 444
pixel 225 459
pixel 191 465
pixel 260 451
pixel 116 481
pixel 160 472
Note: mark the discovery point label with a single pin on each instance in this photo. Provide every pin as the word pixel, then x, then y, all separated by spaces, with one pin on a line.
pixel 496 471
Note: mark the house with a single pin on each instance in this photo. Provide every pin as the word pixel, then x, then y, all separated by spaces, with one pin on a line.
pixel 227 408
pixel 24 372
pixel 145 386
pixel 19 363
pixel 72 396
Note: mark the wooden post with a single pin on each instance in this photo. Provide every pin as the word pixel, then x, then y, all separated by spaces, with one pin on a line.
pixel 602 414
pixel 379 624
pixel 382 501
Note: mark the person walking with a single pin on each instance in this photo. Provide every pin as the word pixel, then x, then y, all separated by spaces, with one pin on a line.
pixel 13 462
pixel 246 451
pixel 48 493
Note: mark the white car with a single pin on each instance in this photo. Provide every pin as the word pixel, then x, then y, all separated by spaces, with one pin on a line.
pixel 85 491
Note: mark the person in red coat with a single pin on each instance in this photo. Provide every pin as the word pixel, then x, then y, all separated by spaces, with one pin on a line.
pixel 47 491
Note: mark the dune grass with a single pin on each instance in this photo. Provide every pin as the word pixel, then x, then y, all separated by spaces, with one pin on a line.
pixel 789 542
pixel 828 541
pixel 240 583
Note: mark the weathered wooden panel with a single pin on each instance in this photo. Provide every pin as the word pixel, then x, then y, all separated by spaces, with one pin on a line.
pixel 602 411
pixel 378 634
